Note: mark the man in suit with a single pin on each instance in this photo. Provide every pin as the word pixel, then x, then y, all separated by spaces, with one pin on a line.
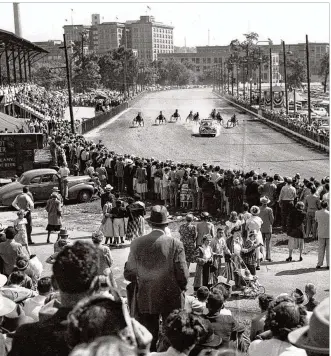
pixel 157 268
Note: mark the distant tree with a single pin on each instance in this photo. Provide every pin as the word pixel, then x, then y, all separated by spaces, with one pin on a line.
pixel 324 69
pixel 87 76
pixel 296 73
pixel 112 66
pixel 48 75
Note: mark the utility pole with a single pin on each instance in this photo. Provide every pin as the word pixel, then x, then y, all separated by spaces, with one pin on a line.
pixel 308 80
pixel 260 78
pixel 69 85
pixel 285 78
pixel 270 67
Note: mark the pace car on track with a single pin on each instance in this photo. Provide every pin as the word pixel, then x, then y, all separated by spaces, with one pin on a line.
pixel 208 127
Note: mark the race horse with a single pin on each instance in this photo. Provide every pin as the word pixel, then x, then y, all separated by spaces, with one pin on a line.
pixel 138 121
pixel 196 118
pixel 219 118
pixel 160 120
pixel 233 121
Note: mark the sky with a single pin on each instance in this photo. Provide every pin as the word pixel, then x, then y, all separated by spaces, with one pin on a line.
pixel 286 21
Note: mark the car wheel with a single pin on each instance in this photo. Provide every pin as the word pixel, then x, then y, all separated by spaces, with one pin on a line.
pixel 84 196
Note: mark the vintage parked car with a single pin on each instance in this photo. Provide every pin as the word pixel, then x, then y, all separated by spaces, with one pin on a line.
pixel 41 183
pixel 208 127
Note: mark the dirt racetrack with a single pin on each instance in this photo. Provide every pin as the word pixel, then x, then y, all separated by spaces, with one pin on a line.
pixel 251 145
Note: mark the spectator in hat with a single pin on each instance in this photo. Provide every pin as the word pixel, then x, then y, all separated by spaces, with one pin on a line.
pixel 54 210
pixel 257 324
pixel 208 193
pixel 57 192
pixel 7 307
pixel 286 202
pixel 9 251
pixel 209 342
pixel 267 216
pixel 254 224
pixel 310 290
pixel 150 255
pixel 33 305
pixel 323 231
pixel 296 230
pixel 22 264
pixel 204 227
pixel 73 271
pixel 63 235
pixel 313 339
pixel 283 315
pixel 105 259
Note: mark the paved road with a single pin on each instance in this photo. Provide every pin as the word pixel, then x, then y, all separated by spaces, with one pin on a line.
pixel 252 145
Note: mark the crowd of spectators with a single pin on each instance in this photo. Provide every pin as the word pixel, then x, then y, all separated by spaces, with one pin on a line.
pixel 297 122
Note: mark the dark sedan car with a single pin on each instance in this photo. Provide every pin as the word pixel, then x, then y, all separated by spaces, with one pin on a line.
pixel 41 183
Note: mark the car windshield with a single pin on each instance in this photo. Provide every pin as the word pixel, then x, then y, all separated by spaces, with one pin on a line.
pixel 23 179
pixel 207 123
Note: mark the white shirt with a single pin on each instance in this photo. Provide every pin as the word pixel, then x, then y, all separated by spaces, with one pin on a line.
pixel 33 305
pixel 274 347
pixel 323 223
pixel 225 311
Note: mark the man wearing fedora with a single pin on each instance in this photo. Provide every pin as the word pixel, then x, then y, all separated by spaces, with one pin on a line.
pixel 314 338
pixel 157 268
pixel 267 216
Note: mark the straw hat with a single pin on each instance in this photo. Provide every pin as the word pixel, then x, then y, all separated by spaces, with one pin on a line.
pixel 255 210
pixel 6 306
pixel 264 200
pixel 315 336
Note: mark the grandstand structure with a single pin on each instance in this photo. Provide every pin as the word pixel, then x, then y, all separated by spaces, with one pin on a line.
pixel 17 55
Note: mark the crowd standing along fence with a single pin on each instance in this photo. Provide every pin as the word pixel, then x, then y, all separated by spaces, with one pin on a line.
pixel 320 141
pixel 93 122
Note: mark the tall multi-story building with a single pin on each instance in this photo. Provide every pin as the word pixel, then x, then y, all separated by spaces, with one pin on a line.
pixel 74 32
pixel 109 36
pixel 150 38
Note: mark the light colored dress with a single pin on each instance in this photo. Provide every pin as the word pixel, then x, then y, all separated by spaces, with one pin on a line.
pixel 21 236
pixel 107 222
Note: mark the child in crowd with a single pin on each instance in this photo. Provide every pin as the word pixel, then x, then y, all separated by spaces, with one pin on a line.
pixel 197 305
pixel 20 227
pixel 310 290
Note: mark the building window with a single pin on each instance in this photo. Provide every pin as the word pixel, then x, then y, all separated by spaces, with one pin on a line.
pixel 208 60
pixel 204 60
pixel 197 61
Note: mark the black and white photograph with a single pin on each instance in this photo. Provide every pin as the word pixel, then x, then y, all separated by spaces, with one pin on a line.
pixel 164 178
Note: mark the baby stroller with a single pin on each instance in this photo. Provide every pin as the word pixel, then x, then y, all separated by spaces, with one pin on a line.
pixel 250 285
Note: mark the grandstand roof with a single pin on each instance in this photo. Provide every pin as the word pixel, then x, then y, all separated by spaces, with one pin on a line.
pixel 16 42
pixel 11 123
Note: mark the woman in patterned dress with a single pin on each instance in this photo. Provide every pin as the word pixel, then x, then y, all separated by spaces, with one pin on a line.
pixel 136 223
pixel 188 236
pixel 185 196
